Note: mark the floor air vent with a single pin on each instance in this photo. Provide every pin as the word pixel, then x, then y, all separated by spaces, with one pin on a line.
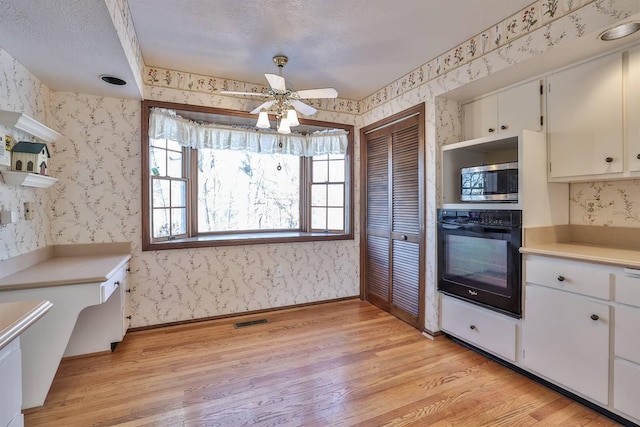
pixel 250 323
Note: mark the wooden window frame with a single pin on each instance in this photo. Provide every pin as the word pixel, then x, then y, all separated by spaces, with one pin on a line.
pixel 240 238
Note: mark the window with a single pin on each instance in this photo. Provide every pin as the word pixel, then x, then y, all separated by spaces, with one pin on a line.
pixel 213 197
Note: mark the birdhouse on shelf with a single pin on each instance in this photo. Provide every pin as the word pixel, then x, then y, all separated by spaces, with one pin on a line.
pixel 30 157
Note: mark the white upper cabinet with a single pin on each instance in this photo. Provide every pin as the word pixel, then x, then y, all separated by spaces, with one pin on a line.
pixel 585 121
pixel 513 109
pixel 633 110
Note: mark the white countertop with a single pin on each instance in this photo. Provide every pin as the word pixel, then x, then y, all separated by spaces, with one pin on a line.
pixel 587 252
pixel 60 271
pixel 16 317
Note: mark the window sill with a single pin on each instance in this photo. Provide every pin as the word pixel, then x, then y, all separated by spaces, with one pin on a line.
pixel 244 239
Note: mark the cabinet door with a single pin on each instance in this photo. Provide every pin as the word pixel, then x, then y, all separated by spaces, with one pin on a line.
pixel 584 111
pixel 563 342
pixel 520 107
pixel 481 117
pixel 633 110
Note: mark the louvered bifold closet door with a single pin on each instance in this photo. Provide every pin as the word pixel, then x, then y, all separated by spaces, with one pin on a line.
pixel 378 223
pixel 405 218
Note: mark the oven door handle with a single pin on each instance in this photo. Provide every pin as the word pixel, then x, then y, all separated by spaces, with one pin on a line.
pixel 451 226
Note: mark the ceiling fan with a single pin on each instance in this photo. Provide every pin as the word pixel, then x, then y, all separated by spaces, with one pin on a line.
pixel 284 102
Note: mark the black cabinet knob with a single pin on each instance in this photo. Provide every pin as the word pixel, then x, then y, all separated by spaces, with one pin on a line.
pixel 560 278
pixel 128 290
pixel 594 317
pixel 491 130
pixel 117 283
pixel 503 127
pixel 638 156
pixel 609 159
pixel 129 317
pixel 472 327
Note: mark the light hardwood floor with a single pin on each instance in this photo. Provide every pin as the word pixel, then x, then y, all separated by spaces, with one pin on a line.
pixel 337 364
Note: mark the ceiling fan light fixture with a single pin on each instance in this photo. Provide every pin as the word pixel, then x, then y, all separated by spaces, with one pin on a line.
pixel 292 117
pixel 263 120
pixel 284 127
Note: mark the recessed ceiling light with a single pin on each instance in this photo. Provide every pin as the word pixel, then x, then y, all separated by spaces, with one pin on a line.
pixel 620 31
pixel 113 80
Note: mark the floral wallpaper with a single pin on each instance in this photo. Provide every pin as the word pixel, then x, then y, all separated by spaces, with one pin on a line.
pixel 123 23
pixel 163 78
pixel 21 91
pixel 614 203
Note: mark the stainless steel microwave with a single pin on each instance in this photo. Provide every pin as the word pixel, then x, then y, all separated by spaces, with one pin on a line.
pixel 490 183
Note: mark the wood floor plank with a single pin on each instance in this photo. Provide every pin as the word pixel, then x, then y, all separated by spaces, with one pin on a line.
pixel 339 364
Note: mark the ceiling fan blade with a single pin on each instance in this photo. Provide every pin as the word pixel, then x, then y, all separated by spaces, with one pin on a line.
pixel 233 92
pixel 276 82
pixel 305 109
pixel 328 92
pixel 266 105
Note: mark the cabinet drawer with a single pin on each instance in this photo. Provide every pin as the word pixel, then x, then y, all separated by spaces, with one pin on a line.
pixel 627 325
pixel 577 277
pixel 10 383
pixel 626 393
pixel 628 287
pixel 106 289
pixel 480 327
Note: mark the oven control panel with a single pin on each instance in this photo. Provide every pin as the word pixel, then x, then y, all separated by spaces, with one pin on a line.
pixel 503 218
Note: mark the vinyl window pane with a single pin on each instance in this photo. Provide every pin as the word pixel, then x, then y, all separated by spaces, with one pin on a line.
pixel 161 194
pixel 161 220
pixel 335 195
pixel 335 218
pixel 336 171
pixel 174 166
pixel 178 221
pixel 178 194
pixel 158 162
pixel 319 195
pixel 320 172
pixel 319 218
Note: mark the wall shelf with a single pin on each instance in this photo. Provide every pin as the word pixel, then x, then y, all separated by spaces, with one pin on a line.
pixel 25 123
pixel 27 179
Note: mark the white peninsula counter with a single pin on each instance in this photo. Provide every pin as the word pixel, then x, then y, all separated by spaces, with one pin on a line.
pixel 87 286
pixel 15 318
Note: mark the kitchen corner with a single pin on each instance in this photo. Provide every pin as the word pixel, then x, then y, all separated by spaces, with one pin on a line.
pixel 618 246
pixel 86 288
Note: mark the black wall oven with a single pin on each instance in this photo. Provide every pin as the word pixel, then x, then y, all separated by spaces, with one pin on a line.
pixel 479 259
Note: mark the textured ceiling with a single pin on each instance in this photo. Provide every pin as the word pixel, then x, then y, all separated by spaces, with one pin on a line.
pixel 356 46
pixel 67 44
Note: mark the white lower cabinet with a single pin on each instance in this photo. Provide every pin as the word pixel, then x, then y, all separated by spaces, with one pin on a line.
pixel 11 385
pixel 565 338
pixel 626 388
pixel 485 329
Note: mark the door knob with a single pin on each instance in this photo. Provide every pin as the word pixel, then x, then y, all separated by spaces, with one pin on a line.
pixel 404 237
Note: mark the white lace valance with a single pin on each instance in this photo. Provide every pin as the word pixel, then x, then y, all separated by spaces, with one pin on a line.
pixel 166 124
